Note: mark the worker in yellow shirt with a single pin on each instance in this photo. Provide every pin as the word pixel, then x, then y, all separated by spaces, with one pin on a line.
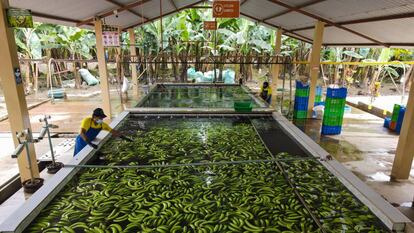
pixel 266 92
pixel 90 128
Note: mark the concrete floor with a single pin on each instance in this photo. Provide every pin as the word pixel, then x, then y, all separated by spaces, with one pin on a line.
pixel 67 114
pixel 367 149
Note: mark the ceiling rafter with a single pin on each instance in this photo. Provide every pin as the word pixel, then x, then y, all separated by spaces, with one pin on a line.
pixel 285 31
pixel 241 4
pixel 365 20
pixel 163 15
pixel 173 3
pixel 310 3
pixel 129 10
pixel 278 2
pixel 111 12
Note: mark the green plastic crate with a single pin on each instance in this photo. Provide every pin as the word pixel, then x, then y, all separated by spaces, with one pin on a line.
pixel 332 120
pixel 243 106
pixel 395 112
pixel 302 92
pixel 300 114
pixel 318 98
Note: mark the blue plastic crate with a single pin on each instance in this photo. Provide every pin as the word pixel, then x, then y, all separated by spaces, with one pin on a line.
pixel 301 103
pixel 299 99
pixel 387 122
pixel 331 130
pixel 301 106
pixel 337 93
pixel 319 90
pixel 300 85
pixel 401 115
pixel 319 103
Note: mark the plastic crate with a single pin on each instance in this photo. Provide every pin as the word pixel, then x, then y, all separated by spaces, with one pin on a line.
pixel 395 112
pixel 300 85
pixel 319 103
pixel 302 92
pixel 318 98
pixel 300 106
pixel 243 106
pixel 337 93
pixel 332 120
pixel 401 115
pixel 318 91
pixel 393 125
pixel 387 122
pixel 331 130
pixel 300 114
pixel 335 102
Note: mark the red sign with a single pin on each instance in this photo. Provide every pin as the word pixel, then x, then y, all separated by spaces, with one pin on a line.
pixel 210 25
pixel 226 9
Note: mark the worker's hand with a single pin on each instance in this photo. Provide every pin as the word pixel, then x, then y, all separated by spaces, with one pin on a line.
pixel 93 145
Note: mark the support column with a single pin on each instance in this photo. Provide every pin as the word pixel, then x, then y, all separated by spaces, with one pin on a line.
pixel 276 68
pixel 103 71
pixel 405 149
pixel 14 93
pixel 315 63
pixel 133 51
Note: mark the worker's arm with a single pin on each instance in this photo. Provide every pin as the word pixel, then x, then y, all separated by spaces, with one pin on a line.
pixel 115 133
pixel 86 139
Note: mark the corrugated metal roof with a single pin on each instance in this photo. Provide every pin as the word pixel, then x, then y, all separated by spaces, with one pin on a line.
pixel 368 22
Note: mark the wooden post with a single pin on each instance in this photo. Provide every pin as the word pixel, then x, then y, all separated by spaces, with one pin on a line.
pixel 133 51
pixel 103 71
pixel 14 93
pixel 276 68
pixel 315 63
pixel 405 149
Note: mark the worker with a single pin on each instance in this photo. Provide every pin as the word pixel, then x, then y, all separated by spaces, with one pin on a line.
pixel 90 128
pixel 266 92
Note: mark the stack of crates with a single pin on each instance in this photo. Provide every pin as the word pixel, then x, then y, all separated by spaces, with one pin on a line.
pixel 395 122
pixel 334 111
pixel 300 109
pixel 318 96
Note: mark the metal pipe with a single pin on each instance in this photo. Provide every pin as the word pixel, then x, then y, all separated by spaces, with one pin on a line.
pixel 29 160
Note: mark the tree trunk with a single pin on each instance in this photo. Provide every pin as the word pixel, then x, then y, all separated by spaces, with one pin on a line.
pixel 28 83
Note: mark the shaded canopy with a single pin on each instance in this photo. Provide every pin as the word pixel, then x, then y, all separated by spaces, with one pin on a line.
pixel 349 22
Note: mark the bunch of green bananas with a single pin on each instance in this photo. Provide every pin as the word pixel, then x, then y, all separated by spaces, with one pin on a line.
pixel 250 197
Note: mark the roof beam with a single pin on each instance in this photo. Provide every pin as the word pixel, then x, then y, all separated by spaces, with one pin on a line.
pixel 310 3
pixel 111 12
pixel 368 44
pixel 291 34
pixel 366 20
pixel 173 3
pixel 163 15
pixel 241 4
pixel 59 18
pixel 278 2
pixel 129 10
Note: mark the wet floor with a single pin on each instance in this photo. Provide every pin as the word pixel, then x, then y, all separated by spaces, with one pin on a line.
pixel 367 149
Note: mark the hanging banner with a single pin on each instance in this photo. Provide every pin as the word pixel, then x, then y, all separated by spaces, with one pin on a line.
pixel 110 36
pixel 19 18
pixel 226 9
pixel 210 25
